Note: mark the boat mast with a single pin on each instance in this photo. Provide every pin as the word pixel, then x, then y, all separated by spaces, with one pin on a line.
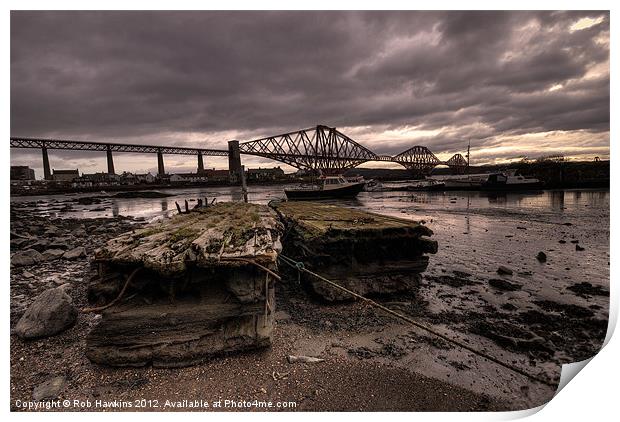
pixel 468 147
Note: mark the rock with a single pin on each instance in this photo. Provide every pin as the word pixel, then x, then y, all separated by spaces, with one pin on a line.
pixel 19 242
pixel 50 389
pixel 562 241
pixel 508 307
pixel 579 248
pixel 282 316
pixel 40 245
pixel 303 359
pixel 504 270
pixel 52 254
pixel 541 257
pixel 75 253
pixel 27 257
pixel 50 313
pixel 586 289
pixel 504 285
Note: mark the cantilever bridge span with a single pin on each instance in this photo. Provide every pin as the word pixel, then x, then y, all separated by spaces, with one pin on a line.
pixel 318 148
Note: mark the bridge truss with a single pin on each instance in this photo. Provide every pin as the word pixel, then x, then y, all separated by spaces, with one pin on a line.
pixel 104 146
pixel 319 148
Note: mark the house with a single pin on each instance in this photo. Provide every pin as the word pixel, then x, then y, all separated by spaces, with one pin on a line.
pixel 188 178
pixel 100 179
pixel 264 175
pixel 22 173
pixel 145 178
pixel 65 175
pixel 217 175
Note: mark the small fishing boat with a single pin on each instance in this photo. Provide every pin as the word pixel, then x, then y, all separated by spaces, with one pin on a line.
pixel 427 185
pixel 510 180
pixel 326 188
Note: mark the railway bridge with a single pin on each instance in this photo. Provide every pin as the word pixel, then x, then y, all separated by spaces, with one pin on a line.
pixel 320 148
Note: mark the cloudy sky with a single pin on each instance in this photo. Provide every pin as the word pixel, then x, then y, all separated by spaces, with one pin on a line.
pixel 513 83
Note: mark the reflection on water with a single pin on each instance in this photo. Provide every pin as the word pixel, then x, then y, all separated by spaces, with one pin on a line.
pixel 558 202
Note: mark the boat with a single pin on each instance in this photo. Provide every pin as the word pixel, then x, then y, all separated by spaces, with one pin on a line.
pixel 510 180
pixel 427 185
pixel 374 186
pixel 326 188
pixel 501 180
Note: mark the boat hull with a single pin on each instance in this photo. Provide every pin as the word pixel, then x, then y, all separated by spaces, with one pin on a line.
pixel 349 191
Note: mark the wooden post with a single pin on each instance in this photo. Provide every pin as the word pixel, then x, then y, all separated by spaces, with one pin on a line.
pixel 244 188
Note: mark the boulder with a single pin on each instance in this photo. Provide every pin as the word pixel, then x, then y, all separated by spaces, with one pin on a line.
pixel 50 389
pixel 53 254
pixel 27 257
pixel 51 313
pixel 504 270
pixel 541 257
pixel 75 253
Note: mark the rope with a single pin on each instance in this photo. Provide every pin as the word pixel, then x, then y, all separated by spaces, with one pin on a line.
pixel 250 261
pixel 300 267
pixel 120 295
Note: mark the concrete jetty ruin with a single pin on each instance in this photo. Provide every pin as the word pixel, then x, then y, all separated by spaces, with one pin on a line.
pixel 367 253
pixel 187 288
pixel 203 283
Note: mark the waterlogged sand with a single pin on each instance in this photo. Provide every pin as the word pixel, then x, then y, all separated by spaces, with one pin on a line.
pixel 535 319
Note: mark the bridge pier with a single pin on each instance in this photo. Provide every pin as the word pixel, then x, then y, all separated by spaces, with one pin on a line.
pixel 160 164
pixel 201 166
pixel 234 162
pixel 110 161
pixel 47 173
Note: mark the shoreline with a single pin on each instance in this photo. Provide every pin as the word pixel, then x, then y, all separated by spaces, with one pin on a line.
pixel 365 351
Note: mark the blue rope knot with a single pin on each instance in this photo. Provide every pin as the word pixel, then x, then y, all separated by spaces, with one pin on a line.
pixel 299 265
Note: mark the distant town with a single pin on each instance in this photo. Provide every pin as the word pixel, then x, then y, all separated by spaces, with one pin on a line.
pixel 23 179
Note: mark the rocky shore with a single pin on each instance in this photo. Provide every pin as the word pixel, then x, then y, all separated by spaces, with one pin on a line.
pixel 369 360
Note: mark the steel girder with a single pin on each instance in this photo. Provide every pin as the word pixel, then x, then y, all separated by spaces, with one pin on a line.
pixel 418 159
pixel 319 148
pixel 101 146
pixel 457 162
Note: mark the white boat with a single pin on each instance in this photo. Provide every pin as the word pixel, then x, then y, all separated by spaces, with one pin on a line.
pixel 327 187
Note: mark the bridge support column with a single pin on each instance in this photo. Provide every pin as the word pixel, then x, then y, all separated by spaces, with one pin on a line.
pixel 160 164
pixel 47 173
pixel 201 166
pixel 110 161
pixel 234 162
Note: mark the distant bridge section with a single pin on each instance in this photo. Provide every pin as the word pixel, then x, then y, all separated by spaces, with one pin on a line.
pixel 45 144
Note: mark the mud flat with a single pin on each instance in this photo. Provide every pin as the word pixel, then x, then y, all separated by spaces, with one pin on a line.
pixel 367 253
pixel 197 285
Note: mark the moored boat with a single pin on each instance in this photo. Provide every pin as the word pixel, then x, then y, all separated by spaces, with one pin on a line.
pixel 326 188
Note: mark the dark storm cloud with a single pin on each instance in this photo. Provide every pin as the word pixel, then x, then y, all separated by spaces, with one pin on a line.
pixel 145 75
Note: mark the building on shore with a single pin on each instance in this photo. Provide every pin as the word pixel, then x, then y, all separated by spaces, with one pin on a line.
pixel 96 179
pixel 188 178
pixel 265 175
pixel 219 176
pixel 21 173
pixel 65 175
pixel 142 178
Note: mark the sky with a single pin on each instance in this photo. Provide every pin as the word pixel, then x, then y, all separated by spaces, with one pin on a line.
pixel 513 84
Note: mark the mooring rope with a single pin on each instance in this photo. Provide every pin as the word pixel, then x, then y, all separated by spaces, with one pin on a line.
pixel 251 261
pixel 300 267
pixel 120 295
